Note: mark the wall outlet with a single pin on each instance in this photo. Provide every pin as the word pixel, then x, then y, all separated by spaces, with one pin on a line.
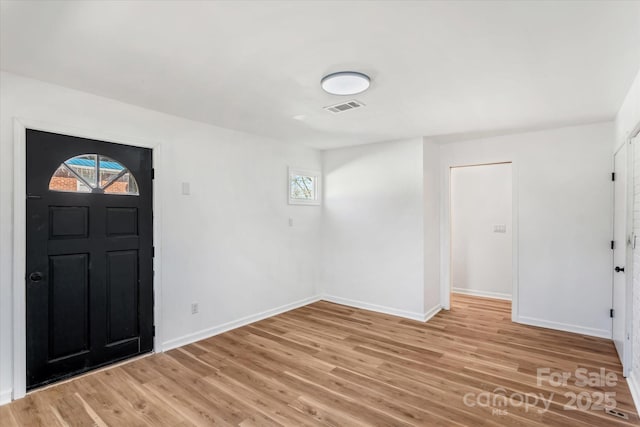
pixel 194 308
pixel 290 222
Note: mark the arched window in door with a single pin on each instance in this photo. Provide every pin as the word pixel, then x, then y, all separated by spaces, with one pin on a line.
pixel 93 173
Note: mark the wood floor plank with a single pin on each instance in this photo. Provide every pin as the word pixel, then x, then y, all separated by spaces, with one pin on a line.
pixel 328 364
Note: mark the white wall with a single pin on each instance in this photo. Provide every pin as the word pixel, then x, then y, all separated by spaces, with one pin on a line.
pixel 563 196
pixel 628 117
pixel 432 226
pixel 384 215
pixel 233 228
pixel 628 120
pixel 481 258
pixel 372 232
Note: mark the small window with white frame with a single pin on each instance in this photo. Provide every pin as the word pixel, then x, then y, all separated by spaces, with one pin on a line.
pixel 304 187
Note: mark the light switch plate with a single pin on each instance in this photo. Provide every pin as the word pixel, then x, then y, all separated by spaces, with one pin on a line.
pixel 186 188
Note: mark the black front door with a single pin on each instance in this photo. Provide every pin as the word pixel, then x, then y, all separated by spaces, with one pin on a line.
pixel 89 283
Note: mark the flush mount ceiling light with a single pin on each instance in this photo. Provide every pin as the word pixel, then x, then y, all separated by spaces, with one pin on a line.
pixel 345 83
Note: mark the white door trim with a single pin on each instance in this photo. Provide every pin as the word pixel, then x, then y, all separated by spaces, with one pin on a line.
pixel 445 282
pixel 20 125
pixel 627 359
pixel 629 270
pixel 628 229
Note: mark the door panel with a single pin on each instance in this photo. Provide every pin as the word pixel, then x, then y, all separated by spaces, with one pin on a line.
pixel 68 305
pixel 122 222
pixel 89 282
pixel 69 222
pixel 620 247
pixel 122 295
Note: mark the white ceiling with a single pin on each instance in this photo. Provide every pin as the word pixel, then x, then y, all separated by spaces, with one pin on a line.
pixel 437 68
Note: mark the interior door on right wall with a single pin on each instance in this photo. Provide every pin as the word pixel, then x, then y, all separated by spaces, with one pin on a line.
pixel 619 252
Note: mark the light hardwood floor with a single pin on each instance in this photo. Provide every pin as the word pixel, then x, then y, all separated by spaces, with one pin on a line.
pixel 327 364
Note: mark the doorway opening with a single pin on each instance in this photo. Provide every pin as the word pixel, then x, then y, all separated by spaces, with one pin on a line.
pixel 481 221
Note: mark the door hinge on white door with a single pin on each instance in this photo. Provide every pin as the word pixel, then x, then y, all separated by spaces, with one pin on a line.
pixel 613 245
pixel 611 313
pixel 613 176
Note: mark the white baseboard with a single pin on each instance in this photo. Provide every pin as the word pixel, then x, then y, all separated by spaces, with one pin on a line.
pixel 634 385
pixel 5 396
pixel 485 294
pixel 379 308
pixel 432 312
pixel 209 332
pixel 600 333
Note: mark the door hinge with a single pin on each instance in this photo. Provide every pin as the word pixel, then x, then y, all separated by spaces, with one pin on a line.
pixel 153 328
pixel 611 313
pixel 613 176
pixel 153 173
pixel 613 245
pixel 153 251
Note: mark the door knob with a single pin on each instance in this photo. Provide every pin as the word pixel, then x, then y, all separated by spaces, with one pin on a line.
pixel 35 276
pixel 619 269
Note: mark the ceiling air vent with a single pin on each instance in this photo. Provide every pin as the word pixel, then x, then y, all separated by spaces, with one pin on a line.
pixel 344 106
